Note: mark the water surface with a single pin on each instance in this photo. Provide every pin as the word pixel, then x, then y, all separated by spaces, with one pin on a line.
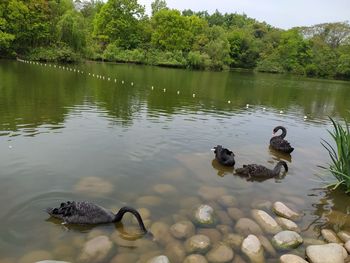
pixel 147 126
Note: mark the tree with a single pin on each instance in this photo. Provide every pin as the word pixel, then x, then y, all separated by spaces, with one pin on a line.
pixel 119 21
pixel 71 31
pixel 158 5
pixel 171 31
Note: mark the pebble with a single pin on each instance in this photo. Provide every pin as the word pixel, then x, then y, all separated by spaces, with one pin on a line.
pixel 213 234
pixel 330 236
pixel 235 213
pixel 164 189
pixel 96 249
pixel 223 217
pixel 93 186
pixel 195 258
pixel 182 229
pixel 161 232
pixel 149 200
pixel 50 261
pixel 159 259
pixel 220 254
pixel 197 244
pixel 211 193
pixel 284 211
pixel 266 222
pixel 347 246
pixel 35 256
pixel 344 235
pixel 175 251
pixel 124 257
pixel 267 245
pixel 289 258
pixel 253 249
pixel 327 253
pixel 287 239
pixel 287 224
pixel 246 226
pixel 233 240
pixel 204 216
pixel 227 201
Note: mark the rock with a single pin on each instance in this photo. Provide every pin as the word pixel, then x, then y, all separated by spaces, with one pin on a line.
pixel 124 257
pixel 289 258
pixel 253 249
pixel 238 259
pixel 211 193
pixel 220 254
pixel 213 234
pixel 149 200
pixel 347 246
pixel 164 189
pixel 197 244
pixel 93 186
pixel 313 241
pixel 282 210
pixel 224 229
pixel 227 201
pixel 233 240
pixel 267 245
pixel 175 251
pixel 118 239
pixel 49 261
pixel 195 258
pixel 266 222
pixel 344 235
pixel 204 216
pixel 223 217
pixel 182 229
pixel 161 232
pixel 159 259
pixel 35 256
pixel 327 253
pixel 330 236
pixel 287 224
pixel 261 204
pixel 96 249
pixel 235 213
pixel 287 239
pixel 246 226
pixel 189 202
pixel 145 257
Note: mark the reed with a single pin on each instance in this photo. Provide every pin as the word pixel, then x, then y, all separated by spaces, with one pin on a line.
pixel 339 154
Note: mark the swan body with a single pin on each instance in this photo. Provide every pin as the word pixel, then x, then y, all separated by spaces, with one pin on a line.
pixel 260 171
pixel 224 156
pixel 279 143
pixel 89 213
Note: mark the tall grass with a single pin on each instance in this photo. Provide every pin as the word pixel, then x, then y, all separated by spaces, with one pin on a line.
pixel 339 154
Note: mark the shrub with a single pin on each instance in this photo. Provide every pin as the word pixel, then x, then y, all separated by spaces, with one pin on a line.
pixel 340 154
pixel 55 53
pixel 198 60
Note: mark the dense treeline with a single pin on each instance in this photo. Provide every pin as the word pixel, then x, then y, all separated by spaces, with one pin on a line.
pixel 119 30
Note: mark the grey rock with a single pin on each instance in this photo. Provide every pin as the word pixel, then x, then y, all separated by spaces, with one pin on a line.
pixel 287 239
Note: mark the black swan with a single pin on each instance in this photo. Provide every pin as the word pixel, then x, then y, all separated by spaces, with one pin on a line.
pixel 90 213
pixel 224 156
pixel 279 143
pixel 255 170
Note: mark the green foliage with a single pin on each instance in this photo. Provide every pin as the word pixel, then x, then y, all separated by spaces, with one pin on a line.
pixel 119 21
pixel 339 154
pixel 119 30
pixel 60 53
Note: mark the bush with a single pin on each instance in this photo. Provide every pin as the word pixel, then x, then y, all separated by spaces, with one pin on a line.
pixel 340 154
pixel 55 53
pixel 271 65
pixel 198 60
pixel 311 70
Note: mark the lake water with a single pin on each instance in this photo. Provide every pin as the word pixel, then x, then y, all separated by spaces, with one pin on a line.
pixel 68 135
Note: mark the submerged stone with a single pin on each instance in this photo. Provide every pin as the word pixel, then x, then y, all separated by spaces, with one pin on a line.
pixel 287 239
pixel 253 249
pixel 330 236
pixel 93 186
pixel 246 226
pixel 197 244
pixel 204 216
pixel 284 211
pixel 96 249
pixel 289 258
pixel 326 253
pixel 266 222
pixel 220 254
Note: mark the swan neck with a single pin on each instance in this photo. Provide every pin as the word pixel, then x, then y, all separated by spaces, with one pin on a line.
pixel 284 132
pixel 119 216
